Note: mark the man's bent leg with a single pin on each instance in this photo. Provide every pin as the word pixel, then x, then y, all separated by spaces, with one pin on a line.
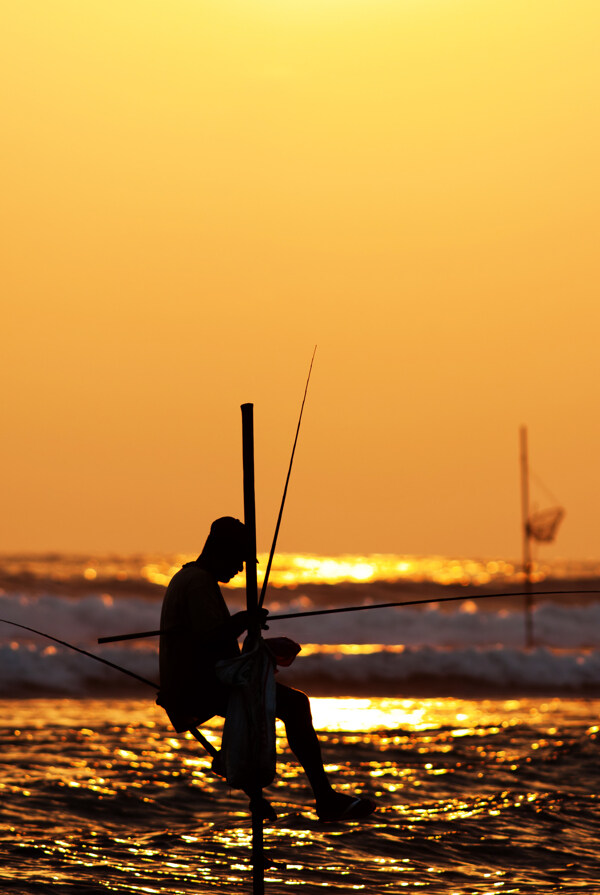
pixel 293 708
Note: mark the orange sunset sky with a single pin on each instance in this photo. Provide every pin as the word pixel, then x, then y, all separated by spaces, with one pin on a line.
pixel 196 193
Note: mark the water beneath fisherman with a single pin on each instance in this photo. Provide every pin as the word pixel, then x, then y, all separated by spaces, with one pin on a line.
pixel 474 796
pixel 485 770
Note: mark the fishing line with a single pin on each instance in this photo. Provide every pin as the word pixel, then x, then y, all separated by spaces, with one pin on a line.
pixel 276 618
pixel 272 553
pixel 82 651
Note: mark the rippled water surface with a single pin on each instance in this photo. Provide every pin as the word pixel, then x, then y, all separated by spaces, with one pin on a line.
pixel 474 797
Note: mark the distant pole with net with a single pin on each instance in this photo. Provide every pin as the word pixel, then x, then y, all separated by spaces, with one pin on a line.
pixel 526 538
pixel 258 880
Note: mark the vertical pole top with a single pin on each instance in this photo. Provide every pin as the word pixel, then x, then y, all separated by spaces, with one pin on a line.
pixel 250 516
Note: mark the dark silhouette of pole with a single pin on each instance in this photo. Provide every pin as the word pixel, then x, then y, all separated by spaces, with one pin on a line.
pixel 529 640
pixel 255 792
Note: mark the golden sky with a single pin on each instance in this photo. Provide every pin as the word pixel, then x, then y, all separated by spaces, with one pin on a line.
pixel 196 193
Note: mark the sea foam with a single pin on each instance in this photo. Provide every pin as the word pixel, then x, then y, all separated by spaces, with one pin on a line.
pixel 414 650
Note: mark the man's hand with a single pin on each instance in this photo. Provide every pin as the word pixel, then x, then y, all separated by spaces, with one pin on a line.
pixel 241 620
pixel 262 613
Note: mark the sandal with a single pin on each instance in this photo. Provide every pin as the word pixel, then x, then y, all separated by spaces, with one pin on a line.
pixel 356 810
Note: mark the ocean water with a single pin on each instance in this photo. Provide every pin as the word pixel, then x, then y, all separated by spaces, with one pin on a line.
pixel 482 754
pixel 474 796
pixel 473 644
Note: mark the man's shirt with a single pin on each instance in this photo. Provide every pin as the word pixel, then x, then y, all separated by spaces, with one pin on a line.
pixel 193 612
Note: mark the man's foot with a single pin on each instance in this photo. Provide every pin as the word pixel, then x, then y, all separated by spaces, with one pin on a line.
pixel 217 766
pixel 265 809
pixel 340 807
pixel 268 812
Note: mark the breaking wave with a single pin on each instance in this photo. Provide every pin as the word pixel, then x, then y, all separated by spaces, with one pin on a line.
pixel 405 651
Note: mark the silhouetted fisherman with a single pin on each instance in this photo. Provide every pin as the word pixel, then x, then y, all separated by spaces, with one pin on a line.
pixel 200 631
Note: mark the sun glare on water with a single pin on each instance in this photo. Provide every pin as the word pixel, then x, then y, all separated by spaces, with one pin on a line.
pixel 367 714
pixel 294 570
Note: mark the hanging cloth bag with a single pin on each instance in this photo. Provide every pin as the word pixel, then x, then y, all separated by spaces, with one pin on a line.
pixel 248 752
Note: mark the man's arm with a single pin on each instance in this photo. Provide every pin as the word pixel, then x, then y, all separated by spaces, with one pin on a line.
pixel 234 626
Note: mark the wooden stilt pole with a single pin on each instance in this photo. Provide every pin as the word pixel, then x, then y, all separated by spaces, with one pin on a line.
pixel 529 639
pixel 258 880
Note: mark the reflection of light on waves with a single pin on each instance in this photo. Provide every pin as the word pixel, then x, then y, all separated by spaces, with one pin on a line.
pixel 466 717
pixel 350 649
pixel 291 570
pixel 366 714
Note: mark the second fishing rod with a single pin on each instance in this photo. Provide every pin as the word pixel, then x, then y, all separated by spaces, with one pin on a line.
pixel 372 606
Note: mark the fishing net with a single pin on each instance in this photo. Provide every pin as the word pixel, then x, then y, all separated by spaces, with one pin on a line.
pixel 543 524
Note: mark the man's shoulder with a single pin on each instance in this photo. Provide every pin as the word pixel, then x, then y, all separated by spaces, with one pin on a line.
pixel 191 573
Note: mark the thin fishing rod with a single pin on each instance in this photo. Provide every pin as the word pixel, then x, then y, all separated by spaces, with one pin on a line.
pixel 538 593
pixel 263 589
pixel 82 651
pixel 276 618
pixel 193 730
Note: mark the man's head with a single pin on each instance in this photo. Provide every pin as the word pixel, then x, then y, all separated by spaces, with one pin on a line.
pixel 225 549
